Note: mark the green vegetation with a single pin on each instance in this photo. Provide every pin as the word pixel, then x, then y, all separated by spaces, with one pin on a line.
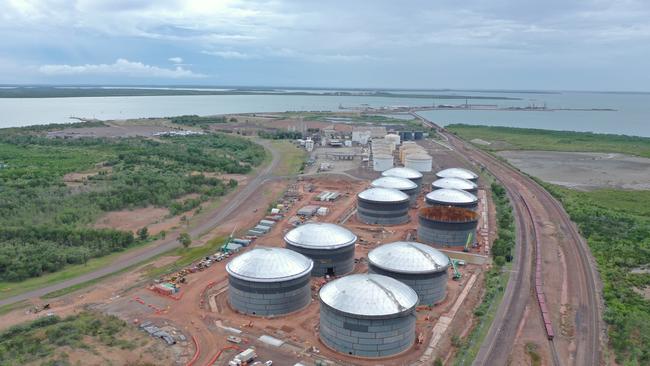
pixel 496 279
pixel 293 158
pixel 510 138
pixel 535 358
pixel 40 339
pixel 46 222
pixel 279 135
pixel 616 225
pixel 505 242
pixel 359 119
pixel 197 121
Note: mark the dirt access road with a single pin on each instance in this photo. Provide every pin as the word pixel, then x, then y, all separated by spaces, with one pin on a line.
pixel 229 206
pixel 573 292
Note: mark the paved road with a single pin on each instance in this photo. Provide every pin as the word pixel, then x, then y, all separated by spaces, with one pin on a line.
pixel 162 246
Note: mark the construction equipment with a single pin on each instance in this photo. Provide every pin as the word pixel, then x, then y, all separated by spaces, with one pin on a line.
pixel 224 247
pixel 457 275
pixel 470 236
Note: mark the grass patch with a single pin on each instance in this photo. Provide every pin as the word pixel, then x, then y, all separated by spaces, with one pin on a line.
pixel 293 158
pixel 11 307
pixel 187 256
pixel 535 358
pixel 511 138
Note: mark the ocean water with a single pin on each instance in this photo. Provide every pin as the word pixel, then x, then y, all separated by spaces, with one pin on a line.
pixel 632 115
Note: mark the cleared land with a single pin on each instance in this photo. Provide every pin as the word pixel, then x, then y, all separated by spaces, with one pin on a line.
pixel 581 170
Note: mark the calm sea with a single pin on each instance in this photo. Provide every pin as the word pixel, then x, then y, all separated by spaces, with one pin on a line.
pixel 632 116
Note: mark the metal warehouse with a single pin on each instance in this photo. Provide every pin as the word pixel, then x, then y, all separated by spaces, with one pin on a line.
pixel 447 226
pixel 421 267
pixel 451 197
pixel 368 315
pixel 384 206
pixel 455 183
pixel 407 173
pixel 401 184
pixel 269 281
pixel 330 246
pixel 458 173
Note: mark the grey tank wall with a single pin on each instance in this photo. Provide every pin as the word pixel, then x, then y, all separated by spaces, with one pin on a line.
pixel 445 234
pixel 389 213
pixel 417 181
pixel 470 206
pixel 341 260
pixel 366 337
pixel 269 299
pixel 413 195
pixel 430 287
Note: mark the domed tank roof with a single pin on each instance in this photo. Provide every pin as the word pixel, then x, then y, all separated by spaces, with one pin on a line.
pixel 401 172
pixel 383 195
pixel 267 264
pixel 447 195
pixel 369 295
pixel 320 235
pixel 457 173
pixel 454 183
pixel 408 257
pixel 394 182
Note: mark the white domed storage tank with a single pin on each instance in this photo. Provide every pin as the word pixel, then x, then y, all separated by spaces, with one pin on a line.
pixel 401 184
pixel 381 162
pixel 421 267
pixel 407 173
pixel 383 206
pixel 420 162
pixel 451 197
pixel 269 281
pixel 455 183
pixel 330 246
pixel 367 315
pixel 457 173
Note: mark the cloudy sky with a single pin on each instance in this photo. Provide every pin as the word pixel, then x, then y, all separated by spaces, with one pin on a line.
pixel 515 44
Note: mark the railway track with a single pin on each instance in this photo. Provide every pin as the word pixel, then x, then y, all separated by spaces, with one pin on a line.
pixel 532 204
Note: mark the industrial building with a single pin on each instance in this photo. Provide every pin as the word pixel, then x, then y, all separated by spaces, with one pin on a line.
pixel 457 173
pixel 329 246
pixel 408 173
pixel 419 266
pixel 368 315
pixel 451 197
pixel 455 183
pixel 401 184
pixel 383 206
pixel 447 226
pixel 269 281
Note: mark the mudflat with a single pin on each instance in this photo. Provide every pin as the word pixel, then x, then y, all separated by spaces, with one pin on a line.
pixel 581 170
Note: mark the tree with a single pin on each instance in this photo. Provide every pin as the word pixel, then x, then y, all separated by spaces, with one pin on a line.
pixel 185 239
pixel 143 233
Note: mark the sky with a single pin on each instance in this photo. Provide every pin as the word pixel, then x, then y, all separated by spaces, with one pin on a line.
pixel 431 44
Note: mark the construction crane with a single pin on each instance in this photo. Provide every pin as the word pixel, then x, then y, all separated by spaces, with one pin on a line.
pixel 224 247
pixel 469 242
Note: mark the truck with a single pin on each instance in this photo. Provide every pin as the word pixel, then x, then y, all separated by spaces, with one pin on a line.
pixel 244 358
